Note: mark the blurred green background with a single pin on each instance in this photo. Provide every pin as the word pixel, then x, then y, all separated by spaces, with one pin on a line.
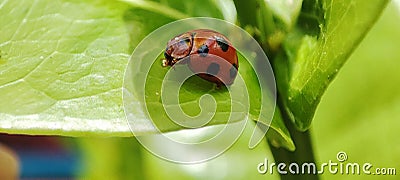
pixel 360 112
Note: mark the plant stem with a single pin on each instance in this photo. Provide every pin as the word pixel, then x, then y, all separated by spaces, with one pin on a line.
pixel 248 13
pixel 302 154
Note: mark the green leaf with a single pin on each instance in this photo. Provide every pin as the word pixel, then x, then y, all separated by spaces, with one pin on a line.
pixel 62 62
pixel 368 109
pixel 191 99
pixel 278 135
pixel 162 84
pixel 195 8
pixel 62 66
pixel 326 34
pixel 145 16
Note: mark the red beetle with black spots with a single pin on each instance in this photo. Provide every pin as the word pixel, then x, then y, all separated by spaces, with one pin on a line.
pixel 208 53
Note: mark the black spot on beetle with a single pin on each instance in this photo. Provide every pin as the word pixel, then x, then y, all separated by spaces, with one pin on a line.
pixel 187 40
pixel 184 41
pixel 233 71
pixel 213 69
pixel 222 43
pixel 203 50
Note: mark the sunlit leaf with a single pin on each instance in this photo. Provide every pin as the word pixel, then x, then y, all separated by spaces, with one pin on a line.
pixel 62 63
pixel 61 67
pixel 326 34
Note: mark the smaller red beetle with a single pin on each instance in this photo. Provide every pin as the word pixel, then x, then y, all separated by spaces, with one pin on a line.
pixel 204 50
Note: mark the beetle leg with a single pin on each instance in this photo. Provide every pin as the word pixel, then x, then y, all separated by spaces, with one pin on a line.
pixel 218 86
pixel 164 63
pixel 174 61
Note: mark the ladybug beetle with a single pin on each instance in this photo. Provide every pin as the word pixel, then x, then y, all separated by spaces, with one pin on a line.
pixel 208 53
